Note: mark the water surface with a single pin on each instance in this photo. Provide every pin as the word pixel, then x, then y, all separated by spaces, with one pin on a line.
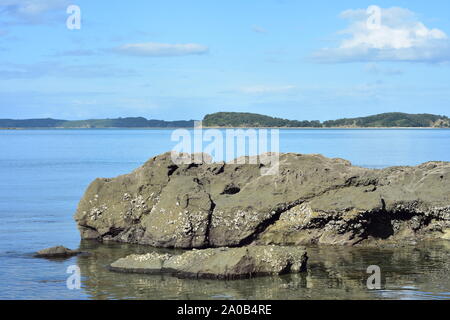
pixel 43 174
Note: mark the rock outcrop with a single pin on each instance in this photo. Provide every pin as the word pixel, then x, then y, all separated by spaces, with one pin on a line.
pixel 220 263
pixel 313 199
pixel 57 252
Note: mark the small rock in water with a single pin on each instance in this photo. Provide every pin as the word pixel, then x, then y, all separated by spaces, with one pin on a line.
pixel 57 252
pixel 219 263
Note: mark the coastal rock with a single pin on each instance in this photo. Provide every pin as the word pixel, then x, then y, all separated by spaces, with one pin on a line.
pixel 313 199
pixel 57 252
pixel 219 263
pixel 339 272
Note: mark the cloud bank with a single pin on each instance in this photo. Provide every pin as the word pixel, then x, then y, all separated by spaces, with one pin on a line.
pixel 153 49
pixel 31 11
pixel 398 35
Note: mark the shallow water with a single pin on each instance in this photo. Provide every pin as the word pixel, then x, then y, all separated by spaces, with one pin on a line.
pixel 420 272
pixel 43 174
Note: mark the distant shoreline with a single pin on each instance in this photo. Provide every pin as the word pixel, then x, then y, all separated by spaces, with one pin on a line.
pixel 12 128
pixel 390 120
pixel 188 128
pixel 106 128
pixel 236 120
pixel 330 128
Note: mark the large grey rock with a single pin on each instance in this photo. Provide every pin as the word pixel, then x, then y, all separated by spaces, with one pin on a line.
pixel 313 199
pixel 220 263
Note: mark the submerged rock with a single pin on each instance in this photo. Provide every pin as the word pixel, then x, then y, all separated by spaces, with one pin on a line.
pixel 312 199
pixel 57 252
pixel 220 263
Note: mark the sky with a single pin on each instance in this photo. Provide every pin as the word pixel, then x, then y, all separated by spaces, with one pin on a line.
pixel 172 60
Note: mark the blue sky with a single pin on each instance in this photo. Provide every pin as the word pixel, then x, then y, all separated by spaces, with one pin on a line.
pixel 314 60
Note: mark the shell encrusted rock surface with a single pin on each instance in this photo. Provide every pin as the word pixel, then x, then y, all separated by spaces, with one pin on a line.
pixel 219 263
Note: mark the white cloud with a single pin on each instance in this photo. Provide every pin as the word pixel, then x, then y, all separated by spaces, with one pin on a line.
pixel 152 49
pixel 399 36
pixel 261 89
pixel 31 11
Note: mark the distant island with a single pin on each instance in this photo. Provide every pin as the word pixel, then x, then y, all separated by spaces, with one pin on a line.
pixel 137 122
pixel 385 120
pixel 241 120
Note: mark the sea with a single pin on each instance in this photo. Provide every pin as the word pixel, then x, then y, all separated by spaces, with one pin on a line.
pixel 44 173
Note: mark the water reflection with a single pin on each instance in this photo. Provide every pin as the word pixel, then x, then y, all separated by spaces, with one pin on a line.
pixel 419 272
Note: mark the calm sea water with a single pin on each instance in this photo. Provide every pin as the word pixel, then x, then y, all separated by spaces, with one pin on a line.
pixel 43 174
